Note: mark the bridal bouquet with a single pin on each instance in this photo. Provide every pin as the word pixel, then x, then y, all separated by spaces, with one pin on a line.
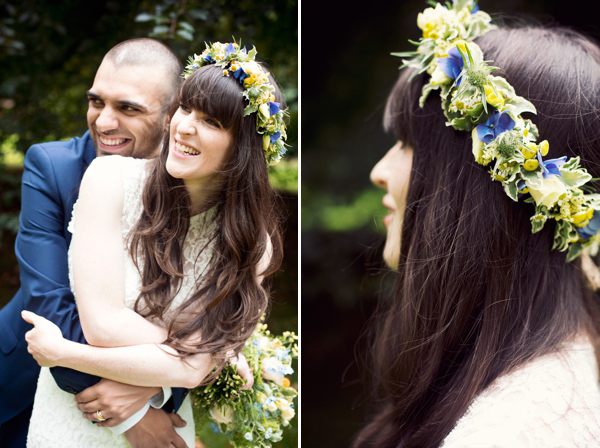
pixel 256 417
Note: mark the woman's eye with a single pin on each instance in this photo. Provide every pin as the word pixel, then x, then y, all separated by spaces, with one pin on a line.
pixel 184 108
pixel 213 122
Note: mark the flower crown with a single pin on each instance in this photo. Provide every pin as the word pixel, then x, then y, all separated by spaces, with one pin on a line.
pixel 257 90
pixel 475 100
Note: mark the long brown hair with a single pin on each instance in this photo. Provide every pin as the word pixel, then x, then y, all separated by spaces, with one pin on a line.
pixel 477 294
pixel 228 301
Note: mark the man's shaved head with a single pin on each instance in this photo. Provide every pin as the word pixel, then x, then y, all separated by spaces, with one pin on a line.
pixel 150 52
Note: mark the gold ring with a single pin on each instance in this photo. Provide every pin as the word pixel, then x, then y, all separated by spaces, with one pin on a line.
pixel 99 416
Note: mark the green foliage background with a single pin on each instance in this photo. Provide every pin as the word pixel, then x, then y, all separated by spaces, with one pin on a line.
pixel 50 52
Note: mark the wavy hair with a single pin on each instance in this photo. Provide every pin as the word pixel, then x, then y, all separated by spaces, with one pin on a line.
pixel 477 294
pixel 229 301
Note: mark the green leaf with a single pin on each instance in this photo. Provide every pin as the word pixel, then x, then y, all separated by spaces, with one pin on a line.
pixel 196 13
pixel 186 26
pixel 160 29
pixel 574 178
pixel 185 34
pixel 574 251
pixel 144 17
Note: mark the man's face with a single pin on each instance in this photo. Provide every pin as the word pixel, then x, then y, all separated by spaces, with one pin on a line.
pixel 125 112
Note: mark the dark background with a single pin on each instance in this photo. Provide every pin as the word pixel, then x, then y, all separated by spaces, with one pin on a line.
pixel 346 77
pixel 49 54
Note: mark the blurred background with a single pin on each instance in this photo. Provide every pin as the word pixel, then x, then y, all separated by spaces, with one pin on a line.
pixel 348 73
pixel 49 53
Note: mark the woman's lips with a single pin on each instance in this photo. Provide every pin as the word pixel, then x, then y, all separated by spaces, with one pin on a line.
pixel 388 203
pixel 387 219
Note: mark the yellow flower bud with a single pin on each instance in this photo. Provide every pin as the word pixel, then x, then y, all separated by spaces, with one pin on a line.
pixel 544 147
pixel 498 177
pixel 528 153
pixel 580 217
pixel 525 190
pixel 590 213
pixel 286 382
pixel 266 142
pixel 526 132
pixel 531 164
pixel 225 72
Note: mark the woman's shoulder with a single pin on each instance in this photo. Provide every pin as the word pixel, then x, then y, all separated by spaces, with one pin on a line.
pixel 553 400
pixel 118 162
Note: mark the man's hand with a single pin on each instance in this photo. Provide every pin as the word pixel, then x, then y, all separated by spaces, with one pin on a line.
pixel 116 401
pixel 156 430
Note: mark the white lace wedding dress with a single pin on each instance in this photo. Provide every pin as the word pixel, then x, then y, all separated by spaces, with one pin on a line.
pixel 552 402
pixel 56 422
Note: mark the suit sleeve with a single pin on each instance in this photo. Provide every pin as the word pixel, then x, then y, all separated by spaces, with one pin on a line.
pixel 41 250
pixel 41 247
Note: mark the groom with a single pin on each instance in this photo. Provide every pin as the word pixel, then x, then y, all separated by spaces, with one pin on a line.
pixel 128 114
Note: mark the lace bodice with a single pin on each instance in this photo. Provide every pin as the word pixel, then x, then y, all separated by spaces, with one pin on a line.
pixel 197 247
pixel 552 402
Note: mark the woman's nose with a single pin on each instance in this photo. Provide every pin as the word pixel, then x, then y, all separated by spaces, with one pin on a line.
pixel 185 125
pixel 379 173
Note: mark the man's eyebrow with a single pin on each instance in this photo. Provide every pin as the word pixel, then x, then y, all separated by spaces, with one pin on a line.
pixel 124 103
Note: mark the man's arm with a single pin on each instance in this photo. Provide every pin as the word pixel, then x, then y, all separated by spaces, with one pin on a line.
pixel 41 247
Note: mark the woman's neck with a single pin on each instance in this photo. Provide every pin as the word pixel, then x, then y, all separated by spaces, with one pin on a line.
pixel 202 195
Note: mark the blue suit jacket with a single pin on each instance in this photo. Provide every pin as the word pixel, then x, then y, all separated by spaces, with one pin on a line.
pixel 50 186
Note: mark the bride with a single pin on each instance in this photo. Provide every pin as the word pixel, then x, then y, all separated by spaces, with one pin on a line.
pixel 171 251
pixel 490 339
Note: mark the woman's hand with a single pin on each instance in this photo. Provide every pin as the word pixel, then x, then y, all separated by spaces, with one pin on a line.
pixel 243 370
pixel 45 340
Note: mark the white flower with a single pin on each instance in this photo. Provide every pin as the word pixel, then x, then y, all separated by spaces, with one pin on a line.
pixel 222 415
pixel 272 370
pixel 264 110
pixel 438 77
pixel 248 436
pixel 546 191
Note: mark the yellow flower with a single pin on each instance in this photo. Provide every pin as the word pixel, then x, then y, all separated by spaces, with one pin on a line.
pixel 580 217
pixel 495 98
pixel 225 72
pixel 528 152
pixel 531 164
pixel 544 147
pixel 286 382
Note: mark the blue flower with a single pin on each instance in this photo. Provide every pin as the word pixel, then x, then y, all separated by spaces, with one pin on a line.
pixel 273 108
pixel 229 49
pixel 275 136
pixel 551 167
pixel 496 124
pixel 592 228
pixel 452 65
pixel 208 58
pixel 474 9
pixel 240 75
pixel 215 428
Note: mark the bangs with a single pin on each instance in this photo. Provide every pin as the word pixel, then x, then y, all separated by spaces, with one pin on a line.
pixel 218 96
pixel 402 109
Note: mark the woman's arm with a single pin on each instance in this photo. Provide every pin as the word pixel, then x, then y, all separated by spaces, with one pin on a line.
pixel 99 263
pixel 140 365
